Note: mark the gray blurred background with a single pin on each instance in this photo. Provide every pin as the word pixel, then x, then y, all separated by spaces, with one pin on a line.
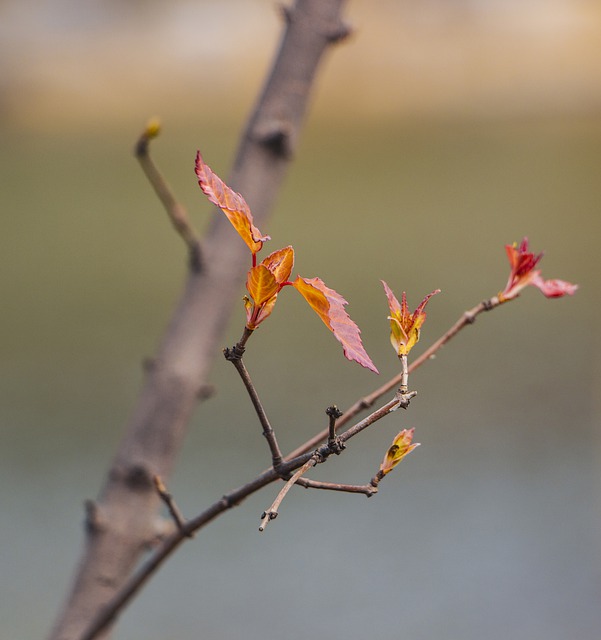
pixel 440 131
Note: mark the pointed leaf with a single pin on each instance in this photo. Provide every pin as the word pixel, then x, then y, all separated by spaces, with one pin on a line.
pixel 405 327
pixel 401 446
pixel 393 303
pixel 329 306
pixel 261 284
pixel 280 263
pixel 231 203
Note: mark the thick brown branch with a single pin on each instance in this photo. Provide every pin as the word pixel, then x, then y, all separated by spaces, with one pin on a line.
pixel 154 434
pixel 136 582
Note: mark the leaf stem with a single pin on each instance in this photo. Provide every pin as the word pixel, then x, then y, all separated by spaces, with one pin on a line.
pixel 403 388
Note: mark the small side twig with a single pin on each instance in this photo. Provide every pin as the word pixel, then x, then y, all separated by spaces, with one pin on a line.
pixel 109 613
pixel 234 355
pixel 176 211
pixel 176 514
pixel 366 489
pixel 333 413
pixel 272 512
pixel 325 451
pixel 467 318
pixel 404 386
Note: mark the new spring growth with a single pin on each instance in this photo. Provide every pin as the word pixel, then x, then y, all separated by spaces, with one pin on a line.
pixel 405 326
pixel 265 280
pixel 401 446
pixel 524 272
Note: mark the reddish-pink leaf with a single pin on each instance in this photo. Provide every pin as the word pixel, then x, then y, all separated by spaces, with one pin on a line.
pixel 231 203
pixel 524 272
pixel 329 306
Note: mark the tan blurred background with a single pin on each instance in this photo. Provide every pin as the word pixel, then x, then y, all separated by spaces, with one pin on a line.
pixel 66 63
pixel 440 131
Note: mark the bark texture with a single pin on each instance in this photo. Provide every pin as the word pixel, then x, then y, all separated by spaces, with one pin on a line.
pixel 122 522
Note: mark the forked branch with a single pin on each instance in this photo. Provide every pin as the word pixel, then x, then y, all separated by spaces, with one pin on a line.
pixel 154 435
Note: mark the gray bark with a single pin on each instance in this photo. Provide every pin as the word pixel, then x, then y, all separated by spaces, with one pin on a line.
pixel 122 521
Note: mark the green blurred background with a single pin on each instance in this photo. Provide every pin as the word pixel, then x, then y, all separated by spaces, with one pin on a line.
pixel 439 132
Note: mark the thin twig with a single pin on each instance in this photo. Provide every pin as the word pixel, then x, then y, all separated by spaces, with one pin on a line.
pixel 321 455
pixel 272 512
pixel 175 210
pixel 467 318
pixel 112 609
pixel 167 498
pixel 404 382
pixel 366 489
pixel 234 355
pixel 333 413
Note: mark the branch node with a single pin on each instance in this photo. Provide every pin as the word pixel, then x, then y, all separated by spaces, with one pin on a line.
pixel 335 446
pixel 285 12
pixel 195 255
pixel 469 317
pixel 206 391
pixel 233 354
pixel 339 33
pixel 148 364
pixel 333 413
pixel 94 523
pixel 267 516
pixel 276 137
pixel 489 304
pixel 404 398
pixel 173 509
pixel 137 478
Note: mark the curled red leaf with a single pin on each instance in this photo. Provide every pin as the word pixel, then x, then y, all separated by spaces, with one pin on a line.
pixel 231 203
pixel 523 265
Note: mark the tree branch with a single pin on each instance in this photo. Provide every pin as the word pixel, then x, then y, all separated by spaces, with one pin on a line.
pixel 234 355
pixel 109 613
pixel 293 461
pixel 467 318
pixel 152 439
pixel 175 210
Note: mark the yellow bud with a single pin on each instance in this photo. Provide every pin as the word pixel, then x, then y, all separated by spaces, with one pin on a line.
pixel 153 128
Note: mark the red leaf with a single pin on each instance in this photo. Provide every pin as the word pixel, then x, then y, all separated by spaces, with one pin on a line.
pixel 231 203
pixel 329 306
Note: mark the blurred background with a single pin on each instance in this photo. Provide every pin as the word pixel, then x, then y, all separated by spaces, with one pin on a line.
pixel 442 130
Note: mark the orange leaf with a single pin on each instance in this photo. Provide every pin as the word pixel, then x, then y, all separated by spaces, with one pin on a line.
pixel 231 203
pixel 280 263
pixel 261 284
pixel 401 446
pixel 329 306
